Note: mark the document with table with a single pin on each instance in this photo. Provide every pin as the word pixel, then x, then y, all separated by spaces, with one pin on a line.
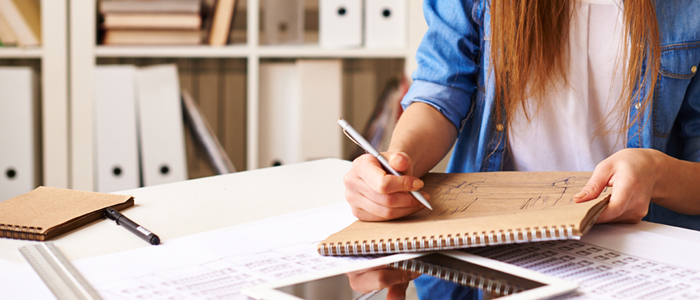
pixel 225 233
pixel 221 262
pixel 609 262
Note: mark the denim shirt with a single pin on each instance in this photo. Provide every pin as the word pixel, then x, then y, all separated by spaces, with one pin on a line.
pixel 453 76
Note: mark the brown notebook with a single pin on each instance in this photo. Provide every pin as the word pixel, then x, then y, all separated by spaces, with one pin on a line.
pixel 479 209
pixel 46 212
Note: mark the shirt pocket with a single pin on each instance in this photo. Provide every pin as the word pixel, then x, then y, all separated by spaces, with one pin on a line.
pixel 679 64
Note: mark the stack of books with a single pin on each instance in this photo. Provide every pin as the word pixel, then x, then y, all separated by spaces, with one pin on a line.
pixel 20 23
pixel 151 22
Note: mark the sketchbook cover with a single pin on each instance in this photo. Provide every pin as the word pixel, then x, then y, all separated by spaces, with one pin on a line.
pixel 47 212
pixel 479 209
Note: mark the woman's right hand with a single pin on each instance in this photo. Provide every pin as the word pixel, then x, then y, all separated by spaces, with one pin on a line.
pixel 376 195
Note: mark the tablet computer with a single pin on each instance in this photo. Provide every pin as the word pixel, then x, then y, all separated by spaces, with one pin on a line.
pixel 437 275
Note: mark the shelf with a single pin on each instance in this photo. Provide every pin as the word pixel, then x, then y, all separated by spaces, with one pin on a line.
pixel 307 51
pixel 17 52
pixel 232 51
pixel 243 51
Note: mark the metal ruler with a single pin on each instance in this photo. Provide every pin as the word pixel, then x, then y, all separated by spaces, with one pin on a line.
pixel 57 272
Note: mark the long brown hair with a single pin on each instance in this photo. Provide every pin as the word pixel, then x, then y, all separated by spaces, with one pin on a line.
pixel 529 39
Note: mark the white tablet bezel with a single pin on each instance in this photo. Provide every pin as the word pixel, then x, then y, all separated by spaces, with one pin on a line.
pixel 552 286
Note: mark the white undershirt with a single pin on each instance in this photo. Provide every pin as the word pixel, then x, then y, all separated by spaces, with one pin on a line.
pixel 562 134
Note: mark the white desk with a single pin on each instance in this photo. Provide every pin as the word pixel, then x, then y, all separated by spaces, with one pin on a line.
pixel 179 209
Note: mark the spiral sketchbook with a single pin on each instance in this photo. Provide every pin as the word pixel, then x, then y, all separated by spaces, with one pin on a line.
pixel 47 212
pixel 479 209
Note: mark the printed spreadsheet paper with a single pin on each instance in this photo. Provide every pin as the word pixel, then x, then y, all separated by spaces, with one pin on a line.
pixel 219 263
pixel 610 262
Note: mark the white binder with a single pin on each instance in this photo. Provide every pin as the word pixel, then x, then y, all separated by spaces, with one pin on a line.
pixel 321 104
pixel 279 114
pixel 385 23
pixel 283 22
pixel 116 152
pixel 300 104
pixel 340 23
pixel 161 132
pixel 19 139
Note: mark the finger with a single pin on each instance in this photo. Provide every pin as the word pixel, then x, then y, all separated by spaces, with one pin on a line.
pixel 397 291
pixel 368 205
pixel 358 280
pixel 364 174
pixel 371 172
pixel 400 161
pixel 596 184
pixel 381 278
pixel 373 212
pixel 388 184
pixel 619 202
pixel 367 164
pixel 356 188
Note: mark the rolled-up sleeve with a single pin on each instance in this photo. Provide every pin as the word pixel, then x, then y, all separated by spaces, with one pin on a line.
pixel 447 59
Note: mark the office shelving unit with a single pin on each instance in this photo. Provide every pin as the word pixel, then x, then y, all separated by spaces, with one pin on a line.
pixel 84 53
pixel 51 59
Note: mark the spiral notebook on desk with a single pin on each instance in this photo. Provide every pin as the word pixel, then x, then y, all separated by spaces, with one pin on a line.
pixel 479 209
pixel 47 212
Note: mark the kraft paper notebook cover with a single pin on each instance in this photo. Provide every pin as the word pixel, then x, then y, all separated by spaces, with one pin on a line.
pixel 479 209
pixel 46 212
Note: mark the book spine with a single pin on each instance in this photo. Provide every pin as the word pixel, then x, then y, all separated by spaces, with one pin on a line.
pixel 457 241
pixel 20 232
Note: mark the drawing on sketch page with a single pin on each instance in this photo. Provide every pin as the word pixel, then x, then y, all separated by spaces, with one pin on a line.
pixel 478 194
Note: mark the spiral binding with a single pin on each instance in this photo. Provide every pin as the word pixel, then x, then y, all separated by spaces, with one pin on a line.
pixel 19 232
pixel 432 243
pixel 491 286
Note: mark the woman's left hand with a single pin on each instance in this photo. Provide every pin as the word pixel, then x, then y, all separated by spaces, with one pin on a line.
pixel 633 175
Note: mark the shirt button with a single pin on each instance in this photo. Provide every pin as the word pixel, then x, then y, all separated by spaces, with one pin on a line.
pixel 694 69
pixel 499 127
pixel 638 105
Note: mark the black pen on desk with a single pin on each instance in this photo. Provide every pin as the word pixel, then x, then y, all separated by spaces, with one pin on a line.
pixel 362 142
pixel 130 225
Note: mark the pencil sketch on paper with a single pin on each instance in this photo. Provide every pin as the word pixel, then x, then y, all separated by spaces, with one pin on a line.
pixel 466 194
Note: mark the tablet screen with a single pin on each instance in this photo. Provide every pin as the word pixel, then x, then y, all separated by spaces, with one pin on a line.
pixel 419 278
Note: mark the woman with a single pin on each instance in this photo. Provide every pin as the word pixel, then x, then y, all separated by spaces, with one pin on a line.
pixel 585 85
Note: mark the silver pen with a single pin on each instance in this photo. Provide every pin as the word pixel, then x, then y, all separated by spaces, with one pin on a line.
pixel 362 142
